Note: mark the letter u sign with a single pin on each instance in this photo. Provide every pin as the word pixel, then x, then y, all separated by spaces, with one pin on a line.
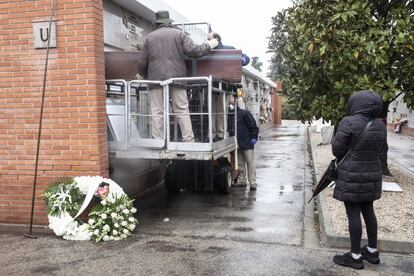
pixel 42 34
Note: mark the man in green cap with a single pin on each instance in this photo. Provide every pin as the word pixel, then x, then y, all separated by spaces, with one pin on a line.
pixel 165 50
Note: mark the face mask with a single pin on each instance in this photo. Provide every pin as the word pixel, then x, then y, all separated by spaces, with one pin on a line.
pixel 231 106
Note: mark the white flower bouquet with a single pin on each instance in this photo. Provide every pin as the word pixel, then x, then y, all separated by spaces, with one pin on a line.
pixel 111 219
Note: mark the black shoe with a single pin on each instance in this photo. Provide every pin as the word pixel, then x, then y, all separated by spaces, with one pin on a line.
pixel 347 260
pixel 373 258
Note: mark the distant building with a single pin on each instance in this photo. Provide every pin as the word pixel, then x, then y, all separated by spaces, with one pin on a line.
pixel 399 110
pixel 259 95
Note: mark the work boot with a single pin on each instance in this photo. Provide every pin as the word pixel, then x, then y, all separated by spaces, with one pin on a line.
pixel 373 258
pixel 347 260
pixel 239 184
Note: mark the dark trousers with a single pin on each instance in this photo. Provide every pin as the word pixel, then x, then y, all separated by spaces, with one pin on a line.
pixel 353 211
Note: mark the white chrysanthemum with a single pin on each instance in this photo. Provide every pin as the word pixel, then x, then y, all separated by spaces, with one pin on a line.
pixel 114 232
pixel 124 223
pixel 58 224
pixel 125 211
pixel 131 227
pixel 123 236
pixel 96 232
pixel 116 225
pixel 133 210
pixel 117 239
pixel 81 233
pixel 91 221
pixel 131 219
pixel 106 238
pixel 106 227
pixel 114 215
pixel 111 238
pixel 103 202
pixel 104 216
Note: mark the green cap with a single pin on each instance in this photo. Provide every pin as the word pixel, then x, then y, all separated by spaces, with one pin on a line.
pixel 163 17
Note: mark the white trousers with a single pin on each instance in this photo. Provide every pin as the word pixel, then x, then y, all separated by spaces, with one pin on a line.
pixel 179 106
pixel 218 114
pixel 246 160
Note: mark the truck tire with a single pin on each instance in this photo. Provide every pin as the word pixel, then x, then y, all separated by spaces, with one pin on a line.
pixel 223 179
pixel 171 179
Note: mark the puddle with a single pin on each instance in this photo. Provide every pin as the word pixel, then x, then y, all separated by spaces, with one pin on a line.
pixel 243 229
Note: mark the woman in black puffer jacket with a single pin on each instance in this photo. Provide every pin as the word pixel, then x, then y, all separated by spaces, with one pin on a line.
pixel 359 179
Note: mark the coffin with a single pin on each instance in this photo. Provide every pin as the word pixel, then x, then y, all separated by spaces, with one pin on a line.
pixel 222 64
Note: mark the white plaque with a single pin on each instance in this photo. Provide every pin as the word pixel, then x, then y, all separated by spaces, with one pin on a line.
pixel 42 34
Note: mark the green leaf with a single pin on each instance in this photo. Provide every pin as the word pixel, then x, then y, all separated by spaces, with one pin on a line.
pixel 356 54
pixel 322 50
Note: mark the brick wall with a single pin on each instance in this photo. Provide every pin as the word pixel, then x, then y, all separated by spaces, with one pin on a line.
pixel 74 133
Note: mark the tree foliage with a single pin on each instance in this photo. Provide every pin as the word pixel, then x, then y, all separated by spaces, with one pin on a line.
pixel 323 50
pixel 257 64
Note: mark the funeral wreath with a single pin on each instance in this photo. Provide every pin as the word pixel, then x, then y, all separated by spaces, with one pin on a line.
pixel 110 219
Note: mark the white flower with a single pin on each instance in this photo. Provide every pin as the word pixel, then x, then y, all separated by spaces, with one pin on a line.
pixel 96 232
pixel 114 232
pixel 131 227
pixel 116 225
pixel 124 223
pixel 111 238
pixel 117 239
pixel 91 221
pixel 133 210
pixel 126 232
pixel 106 227
pixel 123 236
pixel 125 211
pixel 58 224
pixel 106 238
pixel 114 215
pixel 103 202
pixel 104 216
pixel 131 219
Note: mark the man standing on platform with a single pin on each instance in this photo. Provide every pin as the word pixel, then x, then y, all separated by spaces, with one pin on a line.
pixel 165 50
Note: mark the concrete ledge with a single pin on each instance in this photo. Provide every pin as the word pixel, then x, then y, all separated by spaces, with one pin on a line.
pixel 328 236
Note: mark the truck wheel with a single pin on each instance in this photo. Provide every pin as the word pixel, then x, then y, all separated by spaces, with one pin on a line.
pixel 171 180
pixel 224 179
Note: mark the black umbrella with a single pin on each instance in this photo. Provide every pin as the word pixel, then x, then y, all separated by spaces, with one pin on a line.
pixel 328 176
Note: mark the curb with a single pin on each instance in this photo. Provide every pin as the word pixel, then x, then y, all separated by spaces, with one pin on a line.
pixel 328 236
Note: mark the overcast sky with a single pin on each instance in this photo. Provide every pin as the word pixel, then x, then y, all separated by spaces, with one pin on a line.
pixel 244 24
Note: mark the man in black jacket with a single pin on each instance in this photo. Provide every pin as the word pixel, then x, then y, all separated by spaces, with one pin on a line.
pixel 247 133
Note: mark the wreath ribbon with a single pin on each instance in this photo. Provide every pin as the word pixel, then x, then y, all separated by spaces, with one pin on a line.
pixel 88 198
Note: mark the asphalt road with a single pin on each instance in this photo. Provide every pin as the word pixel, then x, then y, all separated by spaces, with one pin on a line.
pixel 243 233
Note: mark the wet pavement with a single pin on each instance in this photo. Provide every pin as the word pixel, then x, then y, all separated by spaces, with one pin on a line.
pixel 401 150
pixel 272 214
pixel 243 233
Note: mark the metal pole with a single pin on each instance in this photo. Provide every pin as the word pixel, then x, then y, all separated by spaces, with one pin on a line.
pixel 52 12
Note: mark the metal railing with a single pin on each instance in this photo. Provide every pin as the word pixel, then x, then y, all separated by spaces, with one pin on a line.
pixel 180 114
pixel 197 31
